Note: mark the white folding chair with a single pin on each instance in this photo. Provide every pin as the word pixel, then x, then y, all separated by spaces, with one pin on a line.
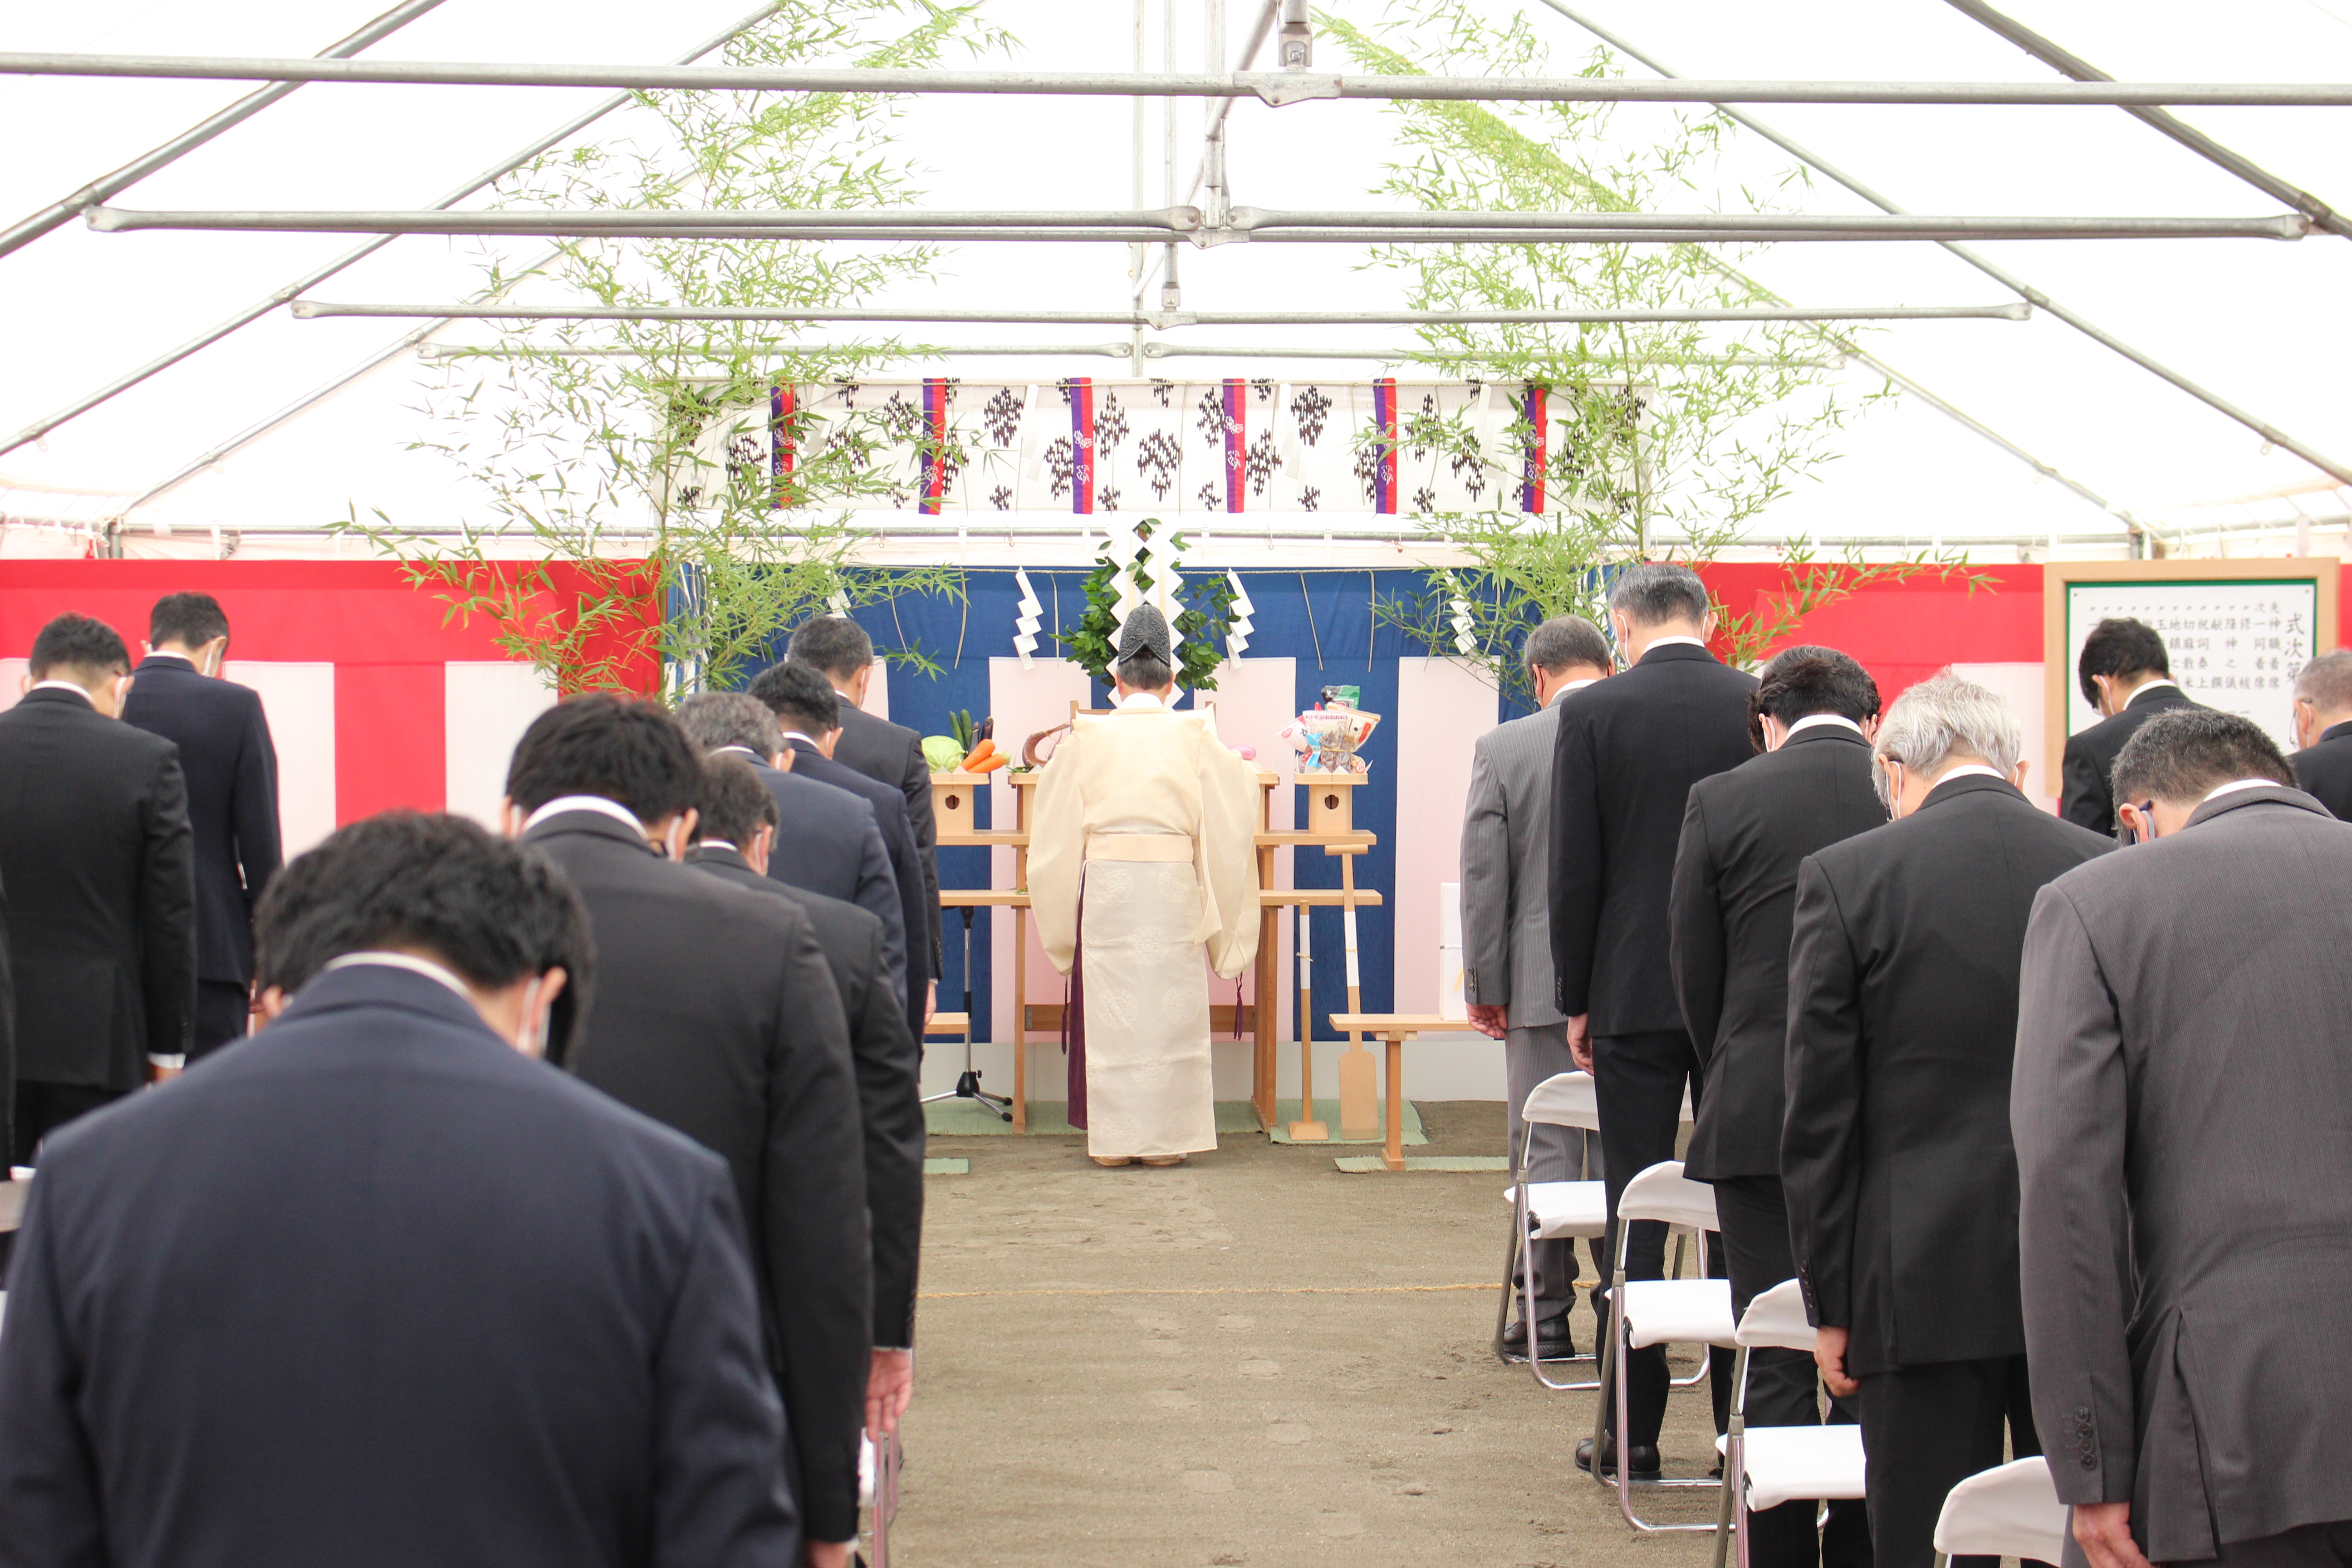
pixel 1765 1467
pixel 1549 1211
pixel 2010 1511
pixel 1644 1312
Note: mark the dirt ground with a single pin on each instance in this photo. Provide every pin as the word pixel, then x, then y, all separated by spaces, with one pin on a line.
pixel 1251 1359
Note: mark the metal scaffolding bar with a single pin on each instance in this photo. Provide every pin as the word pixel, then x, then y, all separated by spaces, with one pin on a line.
pixel 1248 225
pixel 260 308
pixel 1275 87
pixel 1163 321
pixel 26 230
pixel 1400 353
pixel 2007 279
pixel 2067 63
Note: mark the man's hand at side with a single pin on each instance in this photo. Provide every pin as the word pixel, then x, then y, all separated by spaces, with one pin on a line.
pixel 889 1389
pixel 829 1554
pixel 1489 1018
pixel 2103 1530
pixel 1580 1041
pixel 1829 1354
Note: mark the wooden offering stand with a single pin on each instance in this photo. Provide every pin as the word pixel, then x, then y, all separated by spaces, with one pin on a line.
pixel 1331 815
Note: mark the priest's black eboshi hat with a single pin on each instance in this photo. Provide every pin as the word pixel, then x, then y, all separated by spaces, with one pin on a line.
pixel 1145 631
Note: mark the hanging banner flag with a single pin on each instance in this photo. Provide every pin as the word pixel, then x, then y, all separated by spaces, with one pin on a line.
pixel 935 443
pixel 1236 443
pixel 1082 443
pixel 1162 448
pixel 1537 463
pixel 781 404
pixel 1385 433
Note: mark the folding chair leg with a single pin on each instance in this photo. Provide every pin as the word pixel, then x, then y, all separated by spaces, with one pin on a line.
pixel 1510 1274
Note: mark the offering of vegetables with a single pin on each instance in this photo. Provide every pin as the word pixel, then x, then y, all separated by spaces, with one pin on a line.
pixel 970 750
pixel 942 753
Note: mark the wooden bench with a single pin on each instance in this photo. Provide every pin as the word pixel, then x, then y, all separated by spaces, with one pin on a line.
pixel 1395 1028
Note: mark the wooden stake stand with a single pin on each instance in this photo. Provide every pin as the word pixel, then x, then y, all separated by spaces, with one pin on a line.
pixel 1334 833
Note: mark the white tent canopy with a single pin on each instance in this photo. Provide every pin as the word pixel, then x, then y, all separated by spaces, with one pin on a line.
pixel 2249 319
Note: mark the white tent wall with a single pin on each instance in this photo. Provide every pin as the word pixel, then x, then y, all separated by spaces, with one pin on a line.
pixel 2250 319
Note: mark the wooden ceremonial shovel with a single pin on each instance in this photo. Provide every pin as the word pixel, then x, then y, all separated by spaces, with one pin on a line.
pixel 1359 1093
pixel 1307 1129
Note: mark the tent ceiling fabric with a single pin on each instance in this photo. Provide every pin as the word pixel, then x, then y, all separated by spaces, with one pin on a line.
pixel 2254 322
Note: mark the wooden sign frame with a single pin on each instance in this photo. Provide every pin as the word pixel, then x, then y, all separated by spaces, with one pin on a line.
pixel 2325 572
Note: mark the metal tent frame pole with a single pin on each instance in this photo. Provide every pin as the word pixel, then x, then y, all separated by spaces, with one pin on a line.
pixel 2002 275
pixel 2067 63
pixel 1162 320
pixel 260 308
pixel 1246 224
pixel 1276 88
pixel 26 230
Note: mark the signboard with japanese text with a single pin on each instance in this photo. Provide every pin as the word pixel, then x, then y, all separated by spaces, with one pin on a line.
pixel 2235 631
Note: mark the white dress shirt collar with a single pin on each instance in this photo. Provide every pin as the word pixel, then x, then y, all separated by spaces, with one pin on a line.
pixel 727 844
pixel 1573 686
pixel 2234 785
pixel 1817 720
pixel 1673 642
pixel 408 961
pixel 791 735
pixel 1144 700
pixel 563 802
pixel 60 686
pixel 2145 687
pixel 1969 771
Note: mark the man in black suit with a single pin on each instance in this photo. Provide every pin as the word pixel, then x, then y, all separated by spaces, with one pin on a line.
pixel 1744 834
pixel 809 715
pixel 838 648
pixel 715 1014
pixel 1895 1154
pixel 100 879
pixel 732 838
pixel 2128 676
pixel 1629 750
pixel 378 1288
pixel 231 772
pixel 827 840
pixel 2323 727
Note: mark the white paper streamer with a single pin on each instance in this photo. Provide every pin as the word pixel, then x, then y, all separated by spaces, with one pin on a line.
pixel 1029 618
pixel 1465 641
pixel 1237 635
pixel 839 603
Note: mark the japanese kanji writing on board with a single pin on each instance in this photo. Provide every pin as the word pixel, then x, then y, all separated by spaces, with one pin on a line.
pixel 2235 646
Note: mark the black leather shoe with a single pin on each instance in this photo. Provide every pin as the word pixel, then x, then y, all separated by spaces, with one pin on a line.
pixel 1552 1340
pixel 1645 1459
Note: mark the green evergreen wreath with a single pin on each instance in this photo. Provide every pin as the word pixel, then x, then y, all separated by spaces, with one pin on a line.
pixel 1206 614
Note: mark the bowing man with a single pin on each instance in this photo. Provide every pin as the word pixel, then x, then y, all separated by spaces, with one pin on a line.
pixel 732 838
pixel 838 648
pixel 1895 1156
pixel 807 711
pixel 1744 834
pixel 231 766
pixel 377 1289
pixel 715 1014
pixel 827 841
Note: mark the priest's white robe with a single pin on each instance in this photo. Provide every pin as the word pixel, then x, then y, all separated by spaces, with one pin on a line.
pixel 1148 811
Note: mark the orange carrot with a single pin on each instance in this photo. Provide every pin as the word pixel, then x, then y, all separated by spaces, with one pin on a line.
pixel 988 765
pixel 977 755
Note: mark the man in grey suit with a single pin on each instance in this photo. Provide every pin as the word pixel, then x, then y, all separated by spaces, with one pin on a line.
pixel 1506 976
pixel 2185 1183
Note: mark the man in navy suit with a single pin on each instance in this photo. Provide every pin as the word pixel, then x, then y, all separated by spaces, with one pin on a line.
pixel 97 869
pixel 380 1288
pixel 809 714
pixel 827 841
pixel 231 772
